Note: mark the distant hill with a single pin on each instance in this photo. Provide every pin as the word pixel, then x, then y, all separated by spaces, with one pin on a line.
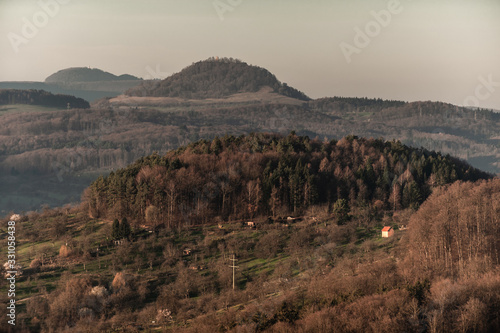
pixel 42 98
pixel 86 83
pixel 216 78
pixel 85 74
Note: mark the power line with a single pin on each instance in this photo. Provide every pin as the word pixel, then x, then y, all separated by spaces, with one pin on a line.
pixel 233 266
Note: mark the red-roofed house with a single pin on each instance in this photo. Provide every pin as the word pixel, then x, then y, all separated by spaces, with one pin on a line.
pixel 387 232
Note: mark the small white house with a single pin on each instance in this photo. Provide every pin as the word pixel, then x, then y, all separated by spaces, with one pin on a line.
pixel 387 232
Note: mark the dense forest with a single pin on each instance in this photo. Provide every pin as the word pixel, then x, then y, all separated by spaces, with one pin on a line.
pixel 457 230
pixel 42 98
pixel 301 220
pixel 233 178
pixel 216 78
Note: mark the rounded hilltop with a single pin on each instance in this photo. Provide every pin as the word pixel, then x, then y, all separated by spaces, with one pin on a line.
pixel 86 74
pixel 216 78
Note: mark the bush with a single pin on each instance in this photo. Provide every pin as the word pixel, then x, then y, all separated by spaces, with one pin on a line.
pixel 35 264
pixel 121 280
pixel 64 251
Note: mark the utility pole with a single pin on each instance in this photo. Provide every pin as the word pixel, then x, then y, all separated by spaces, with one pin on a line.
pixel 233 265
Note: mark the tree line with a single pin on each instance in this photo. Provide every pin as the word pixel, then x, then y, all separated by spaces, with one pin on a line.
pixel 42 98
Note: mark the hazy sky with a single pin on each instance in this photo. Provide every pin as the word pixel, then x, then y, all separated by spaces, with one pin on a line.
pixel 446 50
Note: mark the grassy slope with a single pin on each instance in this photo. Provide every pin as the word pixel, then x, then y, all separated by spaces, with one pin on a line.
pixel 81 228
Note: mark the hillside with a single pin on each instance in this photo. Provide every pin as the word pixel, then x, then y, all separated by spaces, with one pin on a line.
pixel 85 74
pixel 41 98
pixel 323 268
pixel 73 147
pixel 87 91
pixel 245 177
pixel 216 78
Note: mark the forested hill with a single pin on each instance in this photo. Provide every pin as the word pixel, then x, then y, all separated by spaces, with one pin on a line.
pixel 271 175
pixel 84 74
pixel 216 78
pixel 42 98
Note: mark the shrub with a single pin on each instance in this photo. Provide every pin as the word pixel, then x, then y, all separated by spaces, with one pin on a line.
pixel 64 251
pixel 35 264
pixel 121 280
